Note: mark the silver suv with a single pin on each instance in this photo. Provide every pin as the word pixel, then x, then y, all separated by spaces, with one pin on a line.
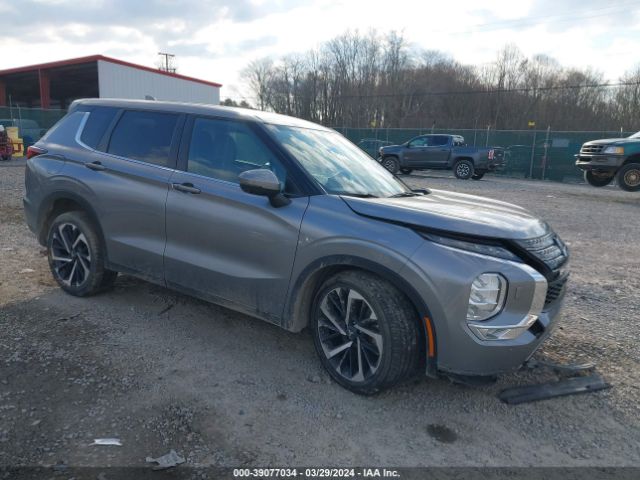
pixel 289 222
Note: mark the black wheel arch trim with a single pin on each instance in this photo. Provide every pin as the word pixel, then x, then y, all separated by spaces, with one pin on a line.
pixel 301 294
pixel 46 208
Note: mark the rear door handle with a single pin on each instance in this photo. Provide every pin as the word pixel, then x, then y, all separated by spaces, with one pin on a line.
pixel 97 166
pixel 186 188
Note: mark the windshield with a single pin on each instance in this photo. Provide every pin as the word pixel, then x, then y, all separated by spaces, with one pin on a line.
pixel 635 135
pixel 338 165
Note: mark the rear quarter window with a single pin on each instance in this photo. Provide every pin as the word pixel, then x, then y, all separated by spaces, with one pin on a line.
pixel 94 129
pixel 144 136
pixel 64 132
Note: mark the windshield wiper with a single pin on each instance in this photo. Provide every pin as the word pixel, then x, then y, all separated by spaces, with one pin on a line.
pixel 358 195
pixel 406 194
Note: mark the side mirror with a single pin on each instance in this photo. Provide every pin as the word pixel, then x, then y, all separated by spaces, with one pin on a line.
pixel 263 182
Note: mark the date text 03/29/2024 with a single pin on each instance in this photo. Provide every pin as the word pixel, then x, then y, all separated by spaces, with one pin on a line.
pixel 315 473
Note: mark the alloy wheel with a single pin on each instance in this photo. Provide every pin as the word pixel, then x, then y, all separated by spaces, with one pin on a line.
pixel 70 255
pixel 349 333
pixel 390 165
pixel 463 170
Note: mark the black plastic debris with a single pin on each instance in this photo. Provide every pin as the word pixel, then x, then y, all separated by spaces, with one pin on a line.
pixel 567 386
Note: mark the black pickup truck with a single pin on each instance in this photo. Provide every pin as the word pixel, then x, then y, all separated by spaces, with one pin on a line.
pixel 445 152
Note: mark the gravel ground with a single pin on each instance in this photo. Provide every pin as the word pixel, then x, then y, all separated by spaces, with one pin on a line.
pixel 163 371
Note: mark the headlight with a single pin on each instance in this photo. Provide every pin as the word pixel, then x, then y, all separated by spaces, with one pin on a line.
pixel 488 330
pixel 614 150
pixel 488 292
pixel 482 248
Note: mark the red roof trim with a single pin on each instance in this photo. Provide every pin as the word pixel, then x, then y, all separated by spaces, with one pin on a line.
pixel 95 58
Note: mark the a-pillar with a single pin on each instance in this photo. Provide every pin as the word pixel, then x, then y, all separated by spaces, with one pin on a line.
pixel 45 88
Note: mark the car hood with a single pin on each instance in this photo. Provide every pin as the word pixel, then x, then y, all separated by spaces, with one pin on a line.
pixel 613 141
pixel 392 148
pixel 453 212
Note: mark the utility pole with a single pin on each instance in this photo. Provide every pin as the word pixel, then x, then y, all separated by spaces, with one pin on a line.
pixel 167 64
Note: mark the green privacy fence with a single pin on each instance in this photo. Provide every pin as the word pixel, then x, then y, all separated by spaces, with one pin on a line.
pixel 530 153
pixel 44 118
pixel 538 154
pixel 32 123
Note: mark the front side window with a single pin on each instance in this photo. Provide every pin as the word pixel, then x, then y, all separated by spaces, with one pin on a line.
pixel 337 164
pixel 223 149
pixel 144 136
pixel 418 142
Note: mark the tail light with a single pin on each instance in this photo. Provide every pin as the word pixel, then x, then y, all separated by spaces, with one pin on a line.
pixel 33 151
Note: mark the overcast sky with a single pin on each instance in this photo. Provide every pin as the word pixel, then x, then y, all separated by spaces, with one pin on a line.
pixel 215 39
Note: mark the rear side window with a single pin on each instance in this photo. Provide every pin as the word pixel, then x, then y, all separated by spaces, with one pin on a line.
pixel 144 136
pixel 438 141
pixel 99 120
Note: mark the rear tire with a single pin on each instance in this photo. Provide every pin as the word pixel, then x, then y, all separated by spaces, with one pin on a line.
pixel 365 332
pixel 391 164
pixel 629 177
pixel 598 179
pixel 463 169
pixel 76 255
pixel 406 171
pixel 477 176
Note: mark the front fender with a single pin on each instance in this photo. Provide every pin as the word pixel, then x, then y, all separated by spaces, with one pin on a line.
pixel 334 238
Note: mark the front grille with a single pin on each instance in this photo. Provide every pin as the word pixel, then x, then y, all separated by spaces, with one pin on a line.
pixel 591 149
pixel 548 249
pixel 556 289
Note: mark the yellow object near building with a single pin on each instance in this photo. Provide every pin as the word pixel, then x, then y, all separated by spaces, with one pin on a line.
pixel 18 144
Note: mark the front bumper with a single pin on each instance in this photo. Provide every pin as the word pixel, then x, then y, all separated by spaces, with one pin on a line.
pixel 443 277
pixel 599 162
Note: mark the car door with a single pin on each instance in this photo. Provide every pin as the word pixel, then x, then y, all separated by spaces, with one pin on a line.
pixel 127 173
pixel 415 152
pixel 438 150
pixel 224 244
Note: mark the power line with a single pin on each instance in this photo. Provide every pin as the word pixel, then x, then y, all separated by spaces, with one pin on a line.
pixel 492 91
pixel 525 21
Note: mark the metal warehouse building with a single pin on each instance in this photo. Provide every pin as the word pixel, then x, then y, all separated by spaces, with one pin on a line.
pixel 57 84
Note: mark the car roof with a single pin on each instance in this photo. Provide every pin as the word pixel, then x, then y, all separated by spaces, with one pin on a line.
pixel 203 109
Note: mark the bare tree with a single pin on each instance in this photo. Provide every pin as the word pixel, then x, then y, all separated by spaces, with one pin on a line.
pixel 367 80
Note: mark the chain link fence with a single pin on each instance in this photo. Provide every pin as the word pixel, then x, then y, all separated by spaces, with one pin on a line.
pixel 539 154
pixel 32 123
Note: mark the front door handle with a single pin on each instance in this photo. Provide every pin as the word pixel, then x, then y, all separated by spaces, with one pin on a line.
pixel 97 166
pixel 186 188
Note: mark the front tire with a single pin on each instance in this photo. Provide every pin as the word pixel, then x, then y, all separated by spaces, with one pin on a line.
pixel 365 332
pixel 598 179
pixel 477 176
pixel 391 164
pixel 463 169
pixel 629 177
pixel 406 171
pixel 76 255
